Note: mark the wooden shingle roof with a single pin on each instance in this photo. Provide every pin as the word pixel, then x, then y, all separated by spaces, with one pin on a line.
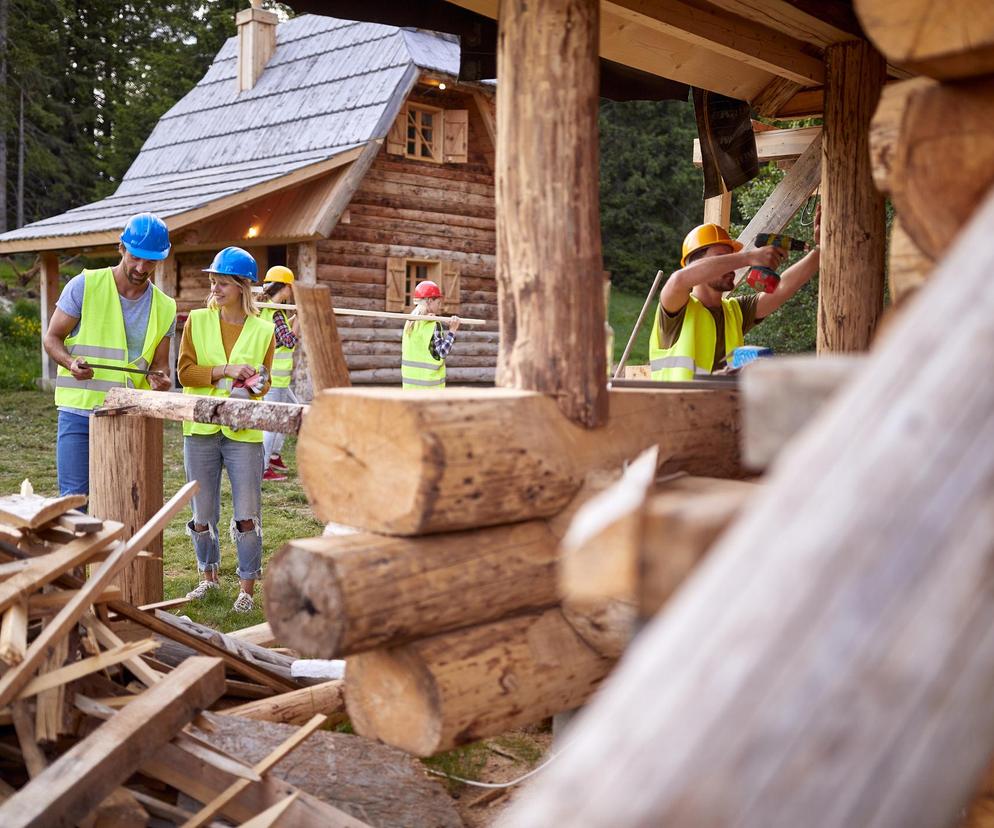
pixel 331 86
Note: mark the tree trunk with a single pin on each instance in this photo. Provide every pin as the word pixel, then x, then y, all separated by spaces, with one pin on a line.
pixel 20 165
pixel 441 692
pixel 126 486
pixel 834 657
pixel 298 706
pixel 851 282
pixel 425 462
pixel 549 268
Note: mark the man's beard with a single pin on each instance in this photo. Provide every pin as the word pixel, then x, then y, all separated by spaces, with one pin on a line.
pixel 726 282
pixel 137 278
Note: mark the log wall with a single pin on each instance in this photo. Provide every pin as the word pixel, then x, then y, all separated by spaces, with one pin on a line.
pixel 404 208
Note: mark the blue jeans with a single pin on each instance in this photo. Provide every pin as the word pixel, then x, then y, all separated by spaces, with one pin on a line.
pixel 72 454
pixel 203 457
pixel 272 441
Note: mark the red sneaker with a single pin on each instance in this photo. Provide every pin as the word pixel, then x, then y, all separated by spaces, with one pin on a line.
pixel 270 474
pixel 276 463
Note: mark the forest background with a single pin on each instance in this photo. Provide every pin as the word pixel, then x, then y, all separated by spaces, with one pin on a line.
pixel 83 83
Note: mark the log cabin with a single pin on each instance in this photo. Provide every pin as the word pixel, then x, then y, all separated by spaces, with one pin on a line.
pixel 348 151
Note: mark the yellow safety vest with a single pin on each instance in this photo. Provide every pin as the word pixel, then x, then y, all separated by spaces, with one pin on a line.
pixel 250 349
pixel 101 339
pixel 693 353
pixel 418 368
pixel 282 356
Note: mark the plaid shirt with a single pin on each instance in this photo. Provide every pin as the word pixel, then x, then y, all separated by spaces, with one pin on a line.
pixel 441 343
pixel 285 338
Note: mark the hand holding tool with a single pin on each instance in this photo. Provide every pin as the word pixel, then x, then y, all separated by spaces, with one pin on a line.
pixel 147 372
pixel 764 279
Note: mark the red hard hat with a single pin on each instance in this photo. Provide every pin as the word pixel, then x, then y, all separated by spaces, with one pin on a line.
pixel 427 290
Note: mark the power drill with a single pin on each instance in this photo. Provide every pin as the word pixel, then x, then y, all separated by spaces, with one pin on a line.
pixel 765 279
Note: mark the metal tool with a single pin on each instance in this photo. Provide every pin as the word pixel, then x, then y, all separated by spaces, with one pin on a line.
pixel 765 279
pixel 143 371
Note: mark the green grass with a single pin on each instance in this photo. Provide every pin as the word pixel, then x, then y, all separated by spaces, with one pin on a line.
pixel 20 346
pixel 622 314
pixel 28 427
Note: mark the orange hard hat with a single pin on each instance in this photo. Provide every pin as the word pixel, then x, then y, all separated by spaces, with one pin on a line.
pixel 427 290
pixel 706 235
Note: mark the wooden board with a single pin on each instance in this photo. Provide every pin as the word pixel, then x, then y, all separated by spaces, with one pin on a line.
pixel 32 511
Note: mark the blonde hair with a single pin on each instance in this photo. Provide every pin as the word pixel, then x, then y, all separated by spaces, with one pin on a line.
pixel 248 300
pixel 420 309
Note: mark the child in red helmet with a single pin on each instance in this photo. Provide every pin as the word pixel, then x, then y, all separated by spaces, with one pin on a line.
pixel 425 347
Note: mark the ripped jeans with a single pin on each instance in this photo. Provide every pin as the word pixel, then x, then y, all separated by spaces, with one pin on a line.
pixel 204 456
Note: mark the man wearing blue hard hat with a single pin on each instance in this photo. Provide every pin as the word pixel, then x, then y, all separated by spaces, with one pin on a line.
pixel 110 328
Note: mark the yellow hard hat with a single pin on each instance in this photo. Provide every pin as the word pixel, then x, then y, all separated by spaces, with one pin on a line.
pixel 706 235
pixel 278 273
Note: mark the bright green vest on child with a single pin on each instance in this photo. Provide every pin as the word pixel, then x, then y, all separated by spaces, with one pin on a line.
pixel 250 349
pixel 418 368
pixel 101 339
pixel 693 352
pixel 282 356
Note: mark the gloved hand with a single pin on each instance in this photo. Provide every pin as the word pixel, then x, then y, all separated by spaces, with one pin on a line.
pixel 256 383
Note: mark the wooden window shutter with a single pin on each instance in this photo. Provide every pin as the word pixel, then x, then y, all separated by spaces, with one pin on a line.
pixel 396 284
pixel 450 287
pixel 397 137
pixel 455 136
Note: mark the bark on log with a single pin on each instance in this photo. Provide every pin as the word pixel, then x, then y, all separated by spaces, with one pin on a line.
pixel 932 154
pixel 380 785
pixel 319 333
pixel 297 706
pixel 851 282
pixel 549 266
pixel 466 459
pixel 834 656
pixel 441 692
pixel 954 40
pixel 335 595
pixel 126 486
pixel 267 416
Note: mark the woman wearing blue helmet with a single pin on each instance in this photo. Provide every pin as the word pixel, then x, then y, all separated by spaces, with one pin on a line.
pixel 226 351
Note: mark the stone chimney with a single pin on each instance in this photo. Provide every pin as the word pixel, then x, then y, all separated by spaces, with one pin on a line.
pixel 256 43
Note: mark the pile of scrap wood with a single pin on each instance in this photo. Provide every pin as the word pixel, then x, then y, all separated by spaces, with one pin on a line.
pixel 103 704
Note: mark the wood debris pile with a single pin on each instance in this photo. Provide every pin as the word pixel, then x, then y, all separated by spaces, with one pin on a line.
pixel 102 703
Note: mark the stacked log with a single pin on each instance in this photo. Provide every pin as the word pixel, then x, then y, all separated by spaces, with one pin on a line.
pixel 448 607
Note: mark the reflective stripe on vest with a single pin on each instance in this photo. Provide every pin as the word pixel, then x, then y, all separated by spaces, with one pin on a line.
pixel 101 336
pixel 417 368
pixel 250 349
pixel 692 355
pixel 282 356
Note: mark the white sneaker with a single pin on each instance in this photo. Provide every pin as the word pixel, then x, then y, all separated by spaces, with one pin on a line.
pixel 202 589
pixel 243 603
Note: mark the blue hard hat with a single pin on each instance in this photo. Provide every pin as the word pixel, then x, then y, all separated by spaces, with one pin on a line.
pixel 146 236
pixel 233 261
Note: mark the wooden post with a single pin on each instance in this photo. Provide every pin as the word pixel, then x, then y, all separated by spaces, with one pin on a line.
pixel 718 210
pixel 319 334
pixel 306 271
pixel 126 486
pixel 49 281
pixel 167 280
pixel 851 284
pixel 548 227
pixel 832 662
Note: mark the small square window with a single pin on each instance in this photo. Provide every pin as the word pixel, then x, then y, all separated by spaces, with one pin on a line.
pixel 422 139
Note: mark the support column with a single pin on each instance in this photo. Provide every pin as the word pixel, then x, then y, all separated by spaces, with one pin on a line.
pixel 853 232
pixel 306 270
pixel 718 210
pixel 48 279
pixel 548 225
pixel 126 485
pixel 167 280
pixel 302 259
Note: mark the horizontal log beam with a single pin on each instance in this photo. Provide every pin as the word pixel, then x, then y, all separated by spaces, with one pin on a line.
pixel 420 462
pixel 284 418
pixel 775 144
pixel 441 692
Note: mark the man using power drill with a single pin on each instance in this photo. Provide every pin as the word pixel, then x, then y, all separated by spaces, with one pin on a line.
pixel 696 328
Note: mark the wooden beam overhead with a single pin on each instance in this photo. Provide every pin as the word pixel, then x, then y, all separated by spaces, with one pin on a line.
pixel 775 144
pixel 740 38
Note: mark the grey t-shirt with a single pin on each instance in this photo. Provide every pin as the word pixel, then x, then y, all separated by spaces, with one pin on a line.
pixel 135 311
